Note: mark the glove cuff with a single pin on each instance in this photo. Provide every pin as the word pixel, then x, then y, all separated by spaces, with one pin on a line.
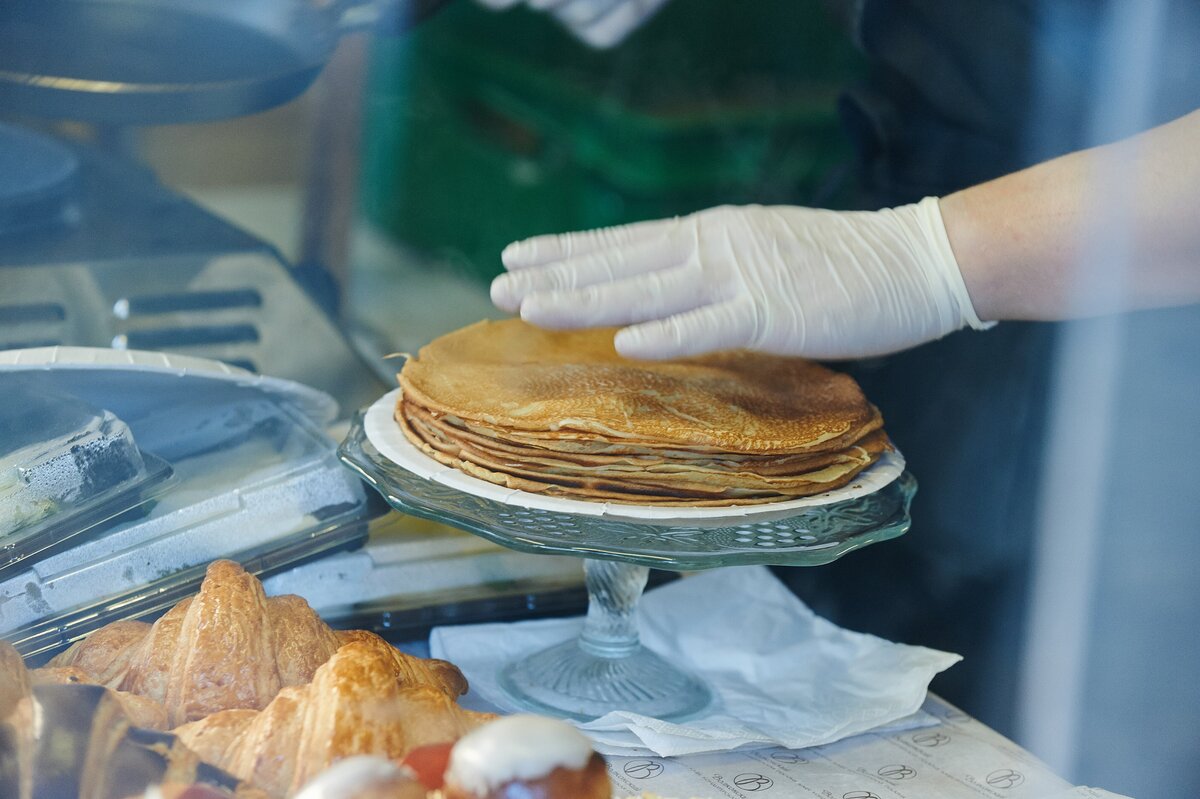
pixel 930 214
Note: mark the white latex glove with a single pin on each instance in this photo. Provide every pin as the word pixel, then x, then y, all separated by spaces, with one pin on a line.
pixel 785 280
pixel 599 23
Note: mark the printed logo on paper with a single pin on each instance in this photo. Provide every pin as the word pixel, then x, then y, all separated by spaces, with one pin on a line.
pixel 752 783
pixel 931 739
pixel 643 769
pixel 1005 778
pixel 788 758
pixel 897 771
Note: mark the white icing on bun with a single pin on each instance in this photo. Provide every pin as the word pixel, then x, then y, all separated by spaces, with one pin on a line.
pixel 348 777
pixel 514 748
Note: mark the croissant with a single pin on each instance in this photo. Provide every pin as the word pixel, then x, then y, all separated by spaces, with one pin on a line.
pixel 105 654
pixel 227 647
pixel 358 703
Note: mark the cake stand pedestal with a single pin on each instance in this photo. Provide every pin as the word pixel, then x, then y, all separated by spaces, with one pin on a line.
pixel 607 668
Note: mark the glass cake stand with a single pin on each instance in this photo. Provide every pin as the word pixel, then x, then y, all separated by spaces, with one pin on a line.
pixel 607 668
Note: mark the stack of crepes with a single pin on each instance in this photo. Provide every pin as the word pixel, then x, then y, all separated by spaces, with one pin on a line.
pixel 561 413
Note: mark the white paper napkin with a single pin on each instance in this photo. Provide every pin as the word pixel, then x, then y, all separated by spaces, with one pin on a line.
pixel 781 675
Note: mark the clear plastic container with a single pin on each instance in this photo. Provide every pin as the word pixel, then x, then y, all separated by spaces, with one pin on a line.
pixel 65 467
pixel 255 479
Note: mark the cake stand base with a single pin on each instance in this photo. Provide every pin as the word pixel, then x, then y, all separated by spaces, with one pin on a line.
pixel 606 668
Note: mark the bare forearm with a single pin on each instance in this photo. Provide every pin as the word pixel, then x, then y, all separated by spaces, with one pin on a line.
pixel 1022 241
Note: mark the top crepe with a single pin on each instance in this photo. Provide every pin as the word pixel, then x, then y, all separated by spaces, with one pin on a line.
pixel 553 388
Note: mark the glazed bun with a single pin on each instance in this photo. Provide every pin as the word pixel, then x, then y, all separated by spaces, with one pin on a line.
pixel 590 782
pixel 363 777
pixel 526 757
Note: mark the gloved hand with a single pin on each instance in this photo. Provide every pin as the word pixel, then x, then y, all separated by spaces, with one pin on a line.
pixel 599 23
pixel 785 280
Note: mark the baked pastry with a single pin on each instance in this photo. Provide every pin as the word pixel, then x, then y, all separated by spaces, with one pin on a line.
pixel 562 413
pixel 185 659
pixel 362 710
pixel 429 763
pixel 105 654
pixel 521 757
pixel 262 687
pixel 227 647
pixel 411 671
pixel 357 704
pixel 366 699
pixel 526 757
pixel 363 777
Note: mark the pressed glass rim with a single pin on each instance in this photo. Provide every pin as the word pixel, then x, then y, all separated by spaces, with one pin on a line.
pixel 814 537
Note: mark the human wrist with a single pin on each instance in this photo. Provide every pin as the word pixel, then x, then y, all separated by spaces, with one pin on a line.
pixel 968 234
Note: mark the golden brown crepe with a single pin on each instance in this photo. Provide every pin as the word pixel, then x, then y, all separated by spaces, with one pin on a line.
pixel 651 459
pixel 562 413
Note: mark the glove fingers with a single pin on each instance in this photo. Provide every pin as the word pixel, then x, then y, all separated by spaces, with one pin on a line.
pixel 510 289
pixel 545 5
pixel 541 250
pixel 650 296
pixel 723 326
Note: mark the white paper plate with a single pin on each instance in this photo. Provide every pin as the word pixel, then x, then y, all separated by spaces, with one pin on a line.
pixel 385 434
